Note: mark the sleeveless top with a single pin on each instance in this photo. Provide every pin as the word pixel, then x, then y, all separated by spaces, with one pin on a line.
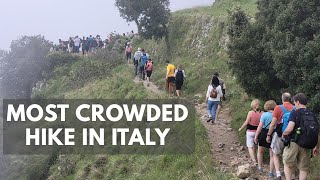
pixel 254 121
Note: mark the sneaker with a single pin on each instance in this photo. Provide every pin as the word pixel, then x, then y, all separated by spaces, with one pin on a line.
pixel 278 178
pixel 213 123
pixel 260 170
pixel 270 175
pixel 210 119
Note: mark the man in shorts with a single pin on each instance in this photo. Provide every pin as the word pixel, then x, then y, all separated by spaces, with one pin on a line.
pixel 276 143
pixel 295 156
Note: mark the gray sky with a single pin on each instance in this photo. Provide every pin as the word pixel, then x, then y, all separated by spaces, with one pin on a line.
pixel 64 18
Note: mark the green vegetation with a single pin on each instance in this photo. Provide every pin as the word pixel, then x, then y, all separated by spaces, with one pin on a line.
pixel 279 51
pixel 199 41
pixel 118 84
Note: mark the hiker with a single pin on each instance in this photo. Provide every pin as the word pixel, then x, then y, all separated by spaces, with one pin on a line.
pixel 128 52
pixel 213 97
pixel 179 75
pixel 149 69
pixel 170 77
pixel 280 114
pixel 302 135
pixel 222 84
pixel 94 45
pixel 261 134
pixel 85 46
pixel 142 65
pixel 136 59
pixel 90 41
pixel 252 123
pixel 77 42
pixel 71 44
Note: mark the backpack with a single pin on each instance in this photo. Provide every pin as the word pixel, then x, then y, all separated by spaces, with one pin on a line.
pixel 144 60
pixel 284 121
pixel 214 92
pixel 179 75
pixel 308 136
pixel 149 66
pixel 137 56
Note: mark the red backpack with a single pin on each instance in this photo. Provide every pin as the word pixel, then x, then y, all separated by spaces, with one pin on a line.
pixel 149 66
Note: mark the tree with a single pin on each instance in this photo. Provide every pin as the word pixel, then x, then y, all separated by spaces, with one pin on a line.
pixel 23 66
pixel 151 16
pixel 280 51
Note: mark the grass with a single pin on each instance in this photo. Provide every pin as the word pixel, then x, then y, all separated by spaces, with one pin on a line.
pixel 198 39
pixel 120 85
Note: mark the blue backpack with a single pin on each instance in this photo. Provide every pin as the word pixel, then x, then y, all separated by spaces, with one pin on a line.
pixel 285 118
pixel 144 60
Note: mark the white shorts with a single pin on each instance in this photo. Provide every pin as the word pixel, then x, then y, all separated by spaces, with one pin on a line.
pixel 277 145
pixel 250 139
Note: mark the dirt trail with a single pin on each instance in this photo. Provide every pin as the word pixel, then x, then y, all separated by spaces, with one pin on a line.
pixel 225 145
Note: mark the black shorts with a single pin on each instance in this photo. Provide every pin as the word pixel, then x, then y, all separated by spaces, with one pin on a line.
pixel 149 73
pixel 171 80
pixel 262 138
pixel 179 85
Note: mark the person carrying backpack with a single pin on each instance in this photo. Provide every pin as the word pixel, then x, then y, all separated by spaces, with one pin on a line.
pixel 179 75
pixel 149 69
pixel 214 94
pixel 142 64
pixel 278 117
pixel 302 133
pixel 136 59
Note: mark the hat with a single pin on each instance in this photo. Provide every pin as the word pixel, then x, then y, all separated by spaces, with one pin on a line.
pixel 216 74
pixel 139 49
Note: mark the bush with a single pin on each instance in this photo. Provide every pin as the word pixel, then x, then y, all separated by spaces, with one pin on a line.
pixel 280 51
pixel 61 58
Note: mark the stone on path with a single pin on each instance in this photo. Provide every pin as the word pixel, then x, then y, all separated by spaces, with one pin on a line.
pixel 244 171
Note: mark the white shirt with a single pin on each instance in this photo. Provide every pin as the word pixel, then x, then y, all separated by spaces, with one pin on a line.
pixel 219 93
pixel 77 42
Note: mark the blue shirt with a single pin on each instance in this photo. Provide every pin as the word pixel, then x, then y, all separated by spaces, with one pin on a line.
pixel 266 118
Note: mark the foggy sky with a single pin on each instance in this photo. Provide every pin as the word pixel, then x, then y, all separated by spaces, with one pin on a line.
pixel 64 18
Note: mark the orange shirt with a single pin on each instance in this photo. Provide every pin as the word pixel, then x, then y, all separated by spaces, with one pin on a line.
pixel 278 113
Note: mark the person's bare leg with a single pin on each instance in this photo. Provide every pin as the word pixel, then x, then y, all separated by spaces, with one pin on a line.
pixel 287 172
pixel 303 175
pixel 178 93
pixel 252 154
pixel 276 162
pixel 260 156
pixel 271 165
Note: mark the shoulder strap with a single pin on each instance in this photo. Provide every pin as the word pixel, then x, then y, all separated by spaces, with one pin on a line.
pixel 284 110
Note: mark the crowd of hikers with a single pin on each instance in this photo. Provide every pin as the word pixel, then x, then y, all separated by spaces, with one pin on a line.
pixel 144 67
pixel 287 130
pixel 87 44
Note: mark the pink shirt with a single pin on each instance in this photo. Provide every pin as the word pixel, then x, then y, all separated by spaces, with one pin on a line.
pixel 254 119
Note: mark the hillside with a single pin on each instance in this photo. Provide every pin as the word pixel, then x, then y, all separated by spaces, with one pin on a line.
pixel 198 42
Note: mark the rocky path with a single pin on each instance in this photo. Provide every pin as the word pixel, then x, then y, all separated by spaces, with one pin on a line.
pixel 225 146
